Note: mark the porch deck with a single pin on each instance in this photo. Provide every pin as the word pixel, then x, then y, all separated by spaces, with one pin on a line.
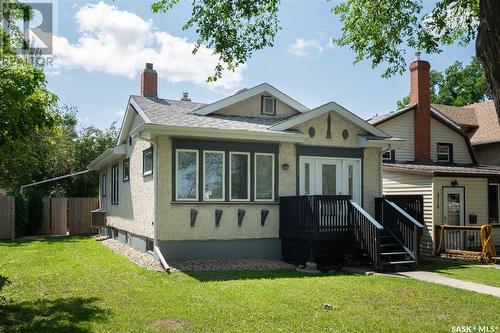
pixel 333 230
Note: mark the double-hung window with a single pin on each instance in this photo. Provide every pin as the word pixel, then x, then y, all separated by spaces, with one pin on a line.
pixel 239 176
pixel 389 156
pixel 114 183
pixel 264 177
pixel 187 174
pixel 445 152
pixel 147 162
pixel 126 170
pixel 213 175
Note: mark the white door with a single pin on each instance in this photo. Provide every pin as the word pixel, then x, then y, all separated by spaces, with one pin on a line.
pixel 330 176
pixel 453 214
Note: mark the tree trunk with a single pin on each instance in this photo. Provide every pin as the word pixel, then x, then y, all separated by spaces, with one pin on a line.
pixel 488 45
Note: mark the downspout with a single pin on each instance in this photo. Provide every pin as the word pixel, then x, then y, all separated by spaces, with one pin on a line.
pixel 156 250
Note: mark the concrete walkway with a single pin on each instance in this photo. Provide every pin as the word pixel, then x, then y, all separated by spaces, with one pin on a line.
pixel 439 279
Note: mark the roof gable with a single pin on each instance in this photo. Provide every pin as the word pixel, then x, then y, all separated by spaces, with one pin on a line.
pixel 242 95
pixel 132 111
pixel 329 107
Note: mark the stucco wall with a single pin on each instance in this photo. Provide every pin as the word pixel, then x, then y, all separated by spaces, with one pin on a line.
pixel 288 178
pixel 371 179
pixel 135 210
pixel 251 107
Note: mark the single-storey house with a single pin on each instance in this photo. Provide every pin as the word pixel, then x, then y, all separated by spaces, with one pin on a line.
pixel 193 180
pixel 438 161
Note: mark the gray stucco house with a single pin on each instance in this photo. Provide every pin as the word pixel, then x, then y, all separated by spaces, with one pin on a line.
pixel 191 180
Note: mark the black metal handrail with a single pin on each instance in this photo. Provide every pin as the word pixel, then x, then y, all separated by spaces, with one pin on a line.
pixel 366 231
pixel 405 228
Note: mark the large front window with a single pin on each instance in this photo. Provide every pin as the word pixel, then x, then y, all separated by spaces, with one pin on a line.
pixel 187 174
pixel 213 176
pixel 239 176
pixel 264 177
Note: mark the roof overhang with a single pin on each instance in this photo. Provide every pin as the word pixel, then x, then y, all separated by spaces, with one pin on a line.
pixel 329 107
pixel 378 142
pixel 110 155
pixel 436 172
pixel 485 142
pixel 150 131
pixel 260 89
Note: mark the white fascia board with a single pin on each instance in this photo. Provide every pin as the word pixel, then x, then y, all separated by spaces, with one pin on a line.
pixel 109 155
pixel 217 133
pixel 238 97
pixel 127 119
pixel 385 144
pixel 445 118
pixel 331 106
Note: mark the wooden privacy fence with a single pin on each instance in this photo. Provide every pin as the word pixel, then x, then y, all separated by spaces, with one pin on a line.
pixel 68 216
pixel 7 217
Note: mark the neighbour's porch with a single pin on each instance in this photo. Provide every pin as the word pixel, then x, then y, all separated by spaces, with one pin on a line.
pixel 334 231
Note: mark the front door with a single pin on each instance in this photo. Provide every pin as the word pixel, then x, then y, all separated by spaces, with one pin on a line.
pixel 330 176
pixel 454 214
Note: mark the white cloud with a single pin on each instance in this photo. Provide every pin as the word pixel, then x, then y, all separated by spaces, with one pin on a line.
pixel 119 42
pixel 119 113
pixel 302 47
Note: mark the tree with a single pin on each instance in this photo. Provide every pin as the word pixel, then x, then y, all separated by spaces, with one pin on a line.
pixel 375 30
pixel 457 85
pixel 25 106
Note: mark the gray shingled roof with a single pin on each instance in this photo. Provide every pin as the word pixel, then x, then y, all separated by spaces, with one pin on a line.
pixel 437 170
pixel 177 113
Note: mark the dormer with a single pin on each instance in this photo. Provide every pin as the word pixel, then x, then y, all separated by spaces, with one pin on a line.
pixel 262 101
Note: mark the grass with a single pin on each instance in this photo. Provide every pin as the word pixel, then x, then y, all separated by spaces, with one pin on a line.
pixel 464 271
pixel 74 284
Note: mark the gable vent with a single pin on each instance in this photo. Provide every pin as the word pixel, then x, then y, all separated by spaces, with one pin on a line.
pixel 268 105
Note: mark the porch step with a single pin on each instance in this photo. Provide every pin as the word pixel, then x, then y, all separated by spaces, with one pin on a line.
pixel 391 253
pixel 389 244
pixel 403 262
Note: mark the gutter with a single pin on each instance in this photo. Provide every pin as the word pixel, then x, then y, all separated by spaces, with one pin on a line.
pixel 156 249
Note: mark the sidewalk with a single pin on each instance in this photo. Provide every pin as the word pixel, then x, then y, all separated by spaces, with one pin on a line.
pixel 439 279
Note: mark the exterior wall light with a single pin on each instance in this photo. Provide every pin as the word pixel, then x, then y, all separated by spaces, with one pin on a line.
pixel 454 183
pixel 285 166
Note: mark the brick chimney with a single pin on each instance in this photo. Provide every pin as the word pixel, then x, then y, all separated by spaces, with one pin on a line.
pixel 420 94
pixel 149 81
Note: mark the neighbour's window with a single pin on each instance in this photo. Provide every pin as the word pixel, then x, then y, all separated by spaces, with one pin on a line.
pixel 268 105
pixel 213 175
pixel 187 174
pixel 103 185
pixel 126 170
pixel 239 176
pixel 445 152
pixel 114 184
pixel 264 177
pixel 389 156
pixel 147 161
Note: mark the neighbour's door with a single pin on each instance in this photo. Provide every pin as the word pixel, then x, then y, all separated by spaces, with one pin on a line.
pixel 454 214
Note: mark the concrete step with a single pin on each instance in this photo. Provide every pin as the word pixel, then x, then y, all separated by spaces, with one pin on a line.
pixel 402 262
pixel 392 253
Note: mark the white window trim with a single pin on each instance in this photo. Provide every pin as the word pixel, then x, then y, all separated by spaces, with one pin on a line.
pixel 115 180
pixel 447 154
pixel 255 177
pixel 223 174
pixel 177 174
pixel 273 105
pixel 150 172
pixel 126 161
pixel 231 153
pixel 104 181
pixel 390 156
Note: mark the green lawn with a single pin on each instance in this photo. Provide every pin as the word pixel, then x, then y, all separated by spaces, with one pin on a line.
pixel 77 285
pixel 464 271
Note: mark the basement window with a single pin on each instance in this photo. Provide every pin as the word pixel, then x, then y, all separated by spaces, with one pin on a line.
pixel 149 245
pixel 445 152
pixel 268 105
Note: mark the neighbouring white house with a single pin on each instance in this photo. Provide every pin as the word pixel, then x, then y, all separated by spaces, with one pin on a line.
pixel 438 161
pixel 192 180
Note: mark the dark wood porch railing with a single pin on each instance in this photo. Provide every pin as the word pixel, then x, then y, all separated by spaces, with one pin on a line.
pixel 403 227
pixel 366 232
pixel 328 228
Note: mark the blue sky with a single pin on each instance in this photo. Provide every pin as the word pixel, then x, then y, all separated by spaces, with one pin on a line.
pixel 101 47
